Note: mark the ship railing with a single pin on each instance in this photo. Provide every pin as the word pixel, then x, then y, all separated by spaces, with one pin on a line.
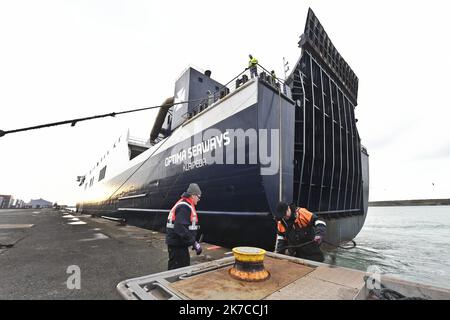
pixel 212 97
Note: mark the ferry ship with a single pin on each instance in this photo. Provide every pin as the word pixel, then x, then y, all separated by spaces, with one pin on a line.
pixel 247 144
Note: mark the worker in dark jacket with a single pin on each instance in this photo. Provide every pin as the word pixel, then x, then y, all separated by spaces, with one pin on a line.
pixel 297 226
pixel 182 226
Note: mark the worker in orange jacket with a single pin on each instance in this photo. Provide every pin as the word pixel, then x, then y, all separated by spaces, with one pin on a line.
pixel 182 225
pixel 295 228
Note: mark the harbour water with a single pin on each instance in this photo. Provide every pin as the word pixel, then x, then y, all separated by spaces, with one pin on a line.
pixel 410 242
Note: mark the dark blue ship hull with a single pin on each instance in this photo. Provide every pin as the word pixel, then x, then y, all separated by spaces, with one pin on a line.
pixel 320 163
pixel 237 199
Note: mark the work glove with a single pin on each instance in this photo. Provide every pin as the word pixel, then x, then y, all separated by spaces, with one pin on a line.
pixel 197 247
pixel 318 240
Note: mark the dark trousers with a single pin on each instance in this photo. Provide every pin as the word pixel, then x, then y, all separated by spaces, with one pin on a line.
pixel 253 71
pixel 178 257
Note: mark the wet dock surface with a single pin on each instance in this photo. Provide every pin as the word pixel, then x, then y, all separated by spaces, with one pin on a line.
pixel 38 246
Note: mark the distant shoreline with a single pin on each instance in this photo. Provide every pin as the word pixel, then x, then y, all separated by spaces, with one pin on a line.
pixel 423 202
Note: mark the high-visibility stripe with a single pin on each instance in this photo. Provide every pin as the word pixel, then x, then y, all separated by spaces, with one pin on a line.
pixel 193 218
pixel 320 222
pixel 171 218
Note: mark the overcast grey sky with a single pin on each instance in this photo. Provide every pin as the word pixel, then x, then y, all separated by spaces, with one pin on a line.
pixel 67 59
